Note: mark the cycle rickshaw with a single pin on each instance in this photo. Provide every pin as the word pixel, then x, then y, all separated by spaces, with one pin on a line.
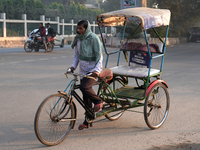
pixel 56 115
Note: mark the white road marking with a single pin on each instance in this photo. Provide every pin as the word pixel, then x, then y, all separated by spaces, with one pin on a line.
pixel 29 60
pixel 43 59
pixel 15 62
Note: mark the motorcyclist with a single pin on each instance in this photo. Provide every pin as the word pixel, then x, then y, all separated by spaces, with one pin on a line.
pixel 51 32
pixel 42 31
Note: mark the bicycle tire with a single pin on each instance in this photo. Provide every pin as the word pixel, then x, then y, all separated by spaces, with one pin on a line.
pixel 49 128
pixel 114 115
pixel 156 106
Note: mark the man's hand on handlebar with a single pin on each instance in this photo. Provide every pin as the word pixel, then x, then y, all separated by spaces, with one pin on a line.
pixel 70 70
pixel 94 74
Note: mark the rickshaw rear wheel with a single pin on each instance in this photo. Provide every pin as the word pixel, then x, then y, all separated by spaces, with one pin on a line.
pixel 156 106
pixel 115 114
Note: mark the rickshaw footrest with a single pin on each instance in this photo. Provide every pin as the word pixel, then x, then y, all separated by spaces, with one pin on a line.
pixel 104 111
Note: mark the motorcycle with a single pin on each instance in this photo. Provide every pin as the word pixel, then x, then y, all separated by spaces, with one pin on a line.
pixel 35 42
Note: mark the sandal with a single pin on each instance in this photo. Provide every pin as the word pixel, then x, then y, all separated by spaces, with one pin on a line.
pixel 83 126
pixel 98 107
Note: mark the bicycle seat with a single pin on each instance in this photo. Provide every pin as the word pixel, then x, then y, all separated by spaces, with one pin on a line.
pixel 106 74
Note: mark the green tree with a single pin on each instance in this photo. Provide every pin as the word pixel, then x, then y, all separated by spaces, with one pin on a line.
pixel 30 9
pixel 93 1
pixel 39 8
pixel 85 11
pixel 8 8
pixel 62 11
pixel 19 8
pixel 110 5
pixel 54 5
pixel 73 11
pixel 1 7
pixel 80 1
pixel 184 14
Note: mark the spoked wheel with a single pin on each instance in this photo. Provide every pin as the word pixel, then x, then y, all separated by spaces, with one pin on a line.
pixel 116 84
pixel 54 119
pixel 156 106
pixel 50 47
pixel 114 115
pixel 27 47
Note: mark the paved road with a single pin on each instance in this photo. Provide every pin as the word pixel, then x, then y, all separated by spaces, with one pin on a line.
pixel 27 78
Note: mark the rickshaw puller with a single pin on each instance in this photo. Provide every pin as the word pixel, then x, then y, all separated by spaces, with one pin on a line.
pixel 88 54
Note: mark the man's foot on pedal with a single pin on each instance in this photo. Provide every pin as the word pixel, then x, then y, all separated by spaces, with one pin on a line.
pixel 98 107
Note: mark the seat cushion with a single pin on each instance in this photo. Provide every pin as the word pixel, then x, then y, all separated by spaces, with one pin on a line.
pixel 106 73
pixel 133 71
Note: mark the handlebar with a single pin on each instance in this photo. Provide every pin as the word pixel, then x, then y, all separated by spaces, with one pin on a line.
pixel 81 75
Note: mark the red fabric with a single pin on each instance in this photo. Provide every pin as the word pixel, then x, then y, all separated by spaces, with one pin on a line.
pixel 42 31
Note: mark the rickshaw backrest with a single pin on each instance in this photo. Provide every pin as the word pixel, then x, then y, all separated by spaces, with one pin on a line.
pixel 138 55
pixel 139 59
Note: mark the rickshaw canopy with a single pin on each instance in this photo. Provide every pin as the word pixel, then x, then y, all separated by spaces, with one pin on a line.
pixel 149 17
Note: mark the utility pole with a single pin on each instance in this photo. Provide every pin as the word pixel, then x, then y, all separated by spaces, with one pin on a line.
pixel 143 3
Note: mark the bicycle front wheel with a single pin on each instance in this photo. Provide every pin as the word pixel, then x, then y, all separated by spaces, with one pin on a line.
pixel 54 119
pixel 156 106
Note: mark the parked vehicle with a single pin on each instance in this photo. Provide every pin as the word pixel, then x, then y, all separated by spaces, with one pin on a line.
pixel 195 34
pixel 59 40
pixel 35 42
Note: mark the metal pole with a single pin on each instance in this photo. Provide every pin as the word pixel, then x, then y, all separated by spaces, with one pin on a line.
pixel 63 26
pixel 164 48
pixel 58 24
pixel 143 3
pixel 25 24
pixel 72 22
pixel 3 16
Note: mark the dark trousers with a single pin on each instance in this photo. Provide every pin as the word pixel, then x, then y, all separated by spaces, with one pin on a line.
pixel 89 96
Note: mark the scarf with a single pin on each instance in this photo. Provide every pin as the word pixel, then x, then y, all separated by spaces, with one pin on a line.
pixel 91 46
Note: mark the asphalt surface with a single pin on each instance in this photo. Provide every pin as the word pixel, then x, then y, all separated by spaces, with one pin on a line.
pixel 27 78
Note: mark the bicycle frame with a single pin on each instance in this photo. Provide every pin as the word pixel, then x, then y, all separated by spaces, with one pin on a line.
pixel 72 86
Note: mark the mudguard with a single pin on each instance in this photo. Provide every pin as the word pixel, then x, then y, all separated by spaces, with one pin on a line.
pixel 75 110
pixel 154 83
pixel 74 105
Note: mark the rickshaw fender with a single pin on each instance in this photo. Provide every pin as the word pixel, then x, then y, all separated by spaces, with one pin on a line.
pixel 154 83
